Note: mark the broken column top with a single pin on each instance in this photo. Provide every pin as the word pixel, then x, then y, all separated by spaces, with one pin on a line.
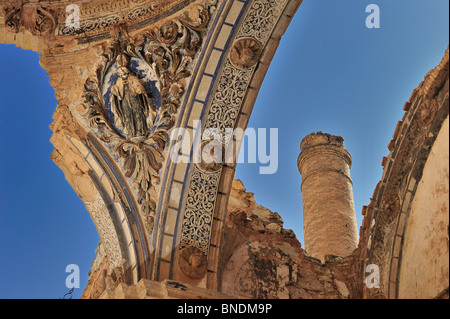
pixel 320 138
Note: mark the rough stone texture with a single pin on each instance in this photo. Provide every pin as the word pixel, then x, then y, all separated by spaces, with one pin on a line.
pixel 250 254
pixel 97 275
pixel 329 219
pixel 391 221
pixel 264 260
pixel 261 259
pixel 167 289
pixel 427 232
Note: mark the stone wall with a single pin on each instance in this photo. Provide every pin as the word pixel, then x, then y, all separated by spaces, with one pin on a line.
pixel 405 229
pixel 262 260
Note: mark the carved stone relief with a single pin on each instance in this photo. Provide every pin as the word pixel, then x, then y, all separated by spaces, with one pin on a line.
pixel 411 146
pixel 224 108
pixel 390 206
pixel 261 19
pixel 132 113
pixel 107 232
pixel 211 156
pixel 245 53
pixel 36 19
pixel 199 211
pixel 228 98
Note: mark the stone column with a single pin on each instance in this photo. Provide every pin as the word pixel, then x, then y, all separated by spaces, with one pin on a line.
pixel 329 218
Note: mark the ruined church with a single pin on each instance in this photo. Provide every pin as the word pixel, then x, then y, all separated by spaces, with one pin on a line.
pixel 131 72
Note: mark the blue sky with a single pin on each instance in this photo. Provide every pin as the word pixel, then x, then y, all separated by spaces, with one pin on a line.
pixel 330 74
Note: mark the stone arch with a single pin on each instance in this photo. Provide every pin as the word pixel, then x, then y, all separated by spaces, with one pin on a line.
pixel 211 101
pixel 225 46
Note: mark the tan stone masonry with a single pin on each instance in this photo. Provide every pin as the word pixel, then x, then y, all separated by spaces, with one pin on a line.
pixel 328 208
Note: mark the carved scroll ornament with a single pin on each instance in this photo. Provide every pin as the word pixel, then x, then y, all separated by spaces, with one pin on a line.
pixel 139 129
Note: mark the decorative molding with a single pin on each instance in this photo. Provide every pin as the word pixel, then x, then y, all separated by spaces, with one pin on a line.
pixel 228 98
pixel 386 217
pixel 193 262
pixel 224 108
pixel 199 211
pixel 261 19
pixel 38 20
pixel 168 50
pixel 109 13
pixel 105 227
pixel 246 53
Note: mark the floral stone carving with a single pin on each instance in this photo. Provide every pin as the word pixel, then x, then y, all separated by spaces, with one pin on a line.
pixel 33 18
pixel 122 110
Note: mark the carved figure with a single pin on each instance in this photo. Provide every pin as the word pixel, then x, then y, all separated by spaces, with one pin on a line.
pixel 134 113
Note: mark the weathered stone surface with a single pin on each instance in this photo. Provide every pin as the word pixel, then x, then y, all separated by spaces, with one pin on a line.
pixel 390 227
pixel 329 219
pixel 265 260
pixel 231 247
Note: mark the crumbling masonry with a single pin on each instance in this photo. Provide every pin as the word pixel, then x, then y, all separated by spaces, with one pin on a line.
pixel 178 229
